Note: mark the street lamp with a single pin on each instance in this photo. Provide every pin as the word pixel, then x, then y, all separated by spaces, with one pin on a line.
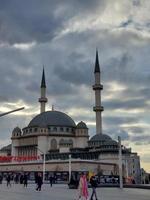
pixel 120 162
pixel 6 113
pixel 69 167
pixel 43 163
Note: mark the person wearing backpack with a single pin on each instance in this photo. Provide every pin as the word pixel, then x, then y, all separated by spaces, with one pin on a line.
pixel 93 182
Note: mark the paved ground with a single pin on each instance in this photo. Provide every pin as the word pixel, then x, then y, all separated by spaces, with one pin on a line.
pixel 61 192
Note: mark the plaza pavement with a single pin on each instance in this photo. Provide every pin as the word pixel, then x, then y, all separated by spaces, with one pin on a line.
pixel 61 192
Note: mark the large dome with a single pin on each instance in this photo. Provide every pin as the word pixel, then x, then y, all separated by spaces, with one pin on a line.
pixel 52 118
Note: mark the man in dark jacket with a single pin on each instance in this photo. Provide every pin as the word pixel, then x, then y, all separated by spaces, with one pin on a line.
pixel 93 183
pixel 39 182
pixel 25 180
pixel 51 180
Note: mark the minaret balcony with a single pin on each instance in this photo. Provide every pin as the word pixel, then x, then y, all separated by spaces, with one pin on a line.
pixel 43 99
pixel 98 108
pixel 97 87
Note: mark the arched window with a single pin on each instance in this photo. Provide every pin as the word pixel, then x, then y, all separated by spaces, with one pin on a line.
pixel 67 129
pixel 71 142
pixel 55 129
pixel 35 129
pixel 61 142
pixel 53 144
pixel 61 129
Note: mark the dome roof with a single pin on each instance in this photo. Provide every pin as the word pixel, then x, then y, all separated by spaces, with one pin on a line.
pixel 6 148
pixel 100 137
pixel 17 130
pixel 111 142
pixel 52 118
pixel 81 125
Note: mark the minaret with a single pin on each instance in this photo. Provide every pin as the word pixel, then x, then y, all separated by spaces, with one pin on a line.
pixel 98 87
pixel 43 98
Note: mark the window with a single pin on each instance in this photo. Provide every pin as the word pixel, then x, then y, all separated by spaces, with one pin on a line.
pixel 49 129
pixel 54 129
pixel 53 144
pixel 35 129
pixel 67 129
pixel 61 129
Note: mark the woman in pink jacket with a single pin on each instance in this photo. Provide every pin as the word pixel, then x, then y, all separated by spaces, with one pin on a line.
pixel 83 187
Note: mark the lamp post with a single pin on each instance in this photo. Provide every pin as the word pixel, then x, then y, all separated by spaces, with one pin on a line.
pixel 6 113
pixel 120 162
pixel 69 167
pixel 43 163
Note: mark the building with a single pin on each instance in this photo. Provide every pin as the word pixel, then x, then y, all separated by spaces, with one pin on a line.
pixel 56 135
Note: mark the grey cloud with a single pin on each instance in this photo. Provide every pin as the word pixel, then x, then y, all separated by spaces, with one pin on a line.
pixel 145 139
pixel 125 104
pixel 136 130
pixel 136 3
pixel 116 131
pixel 118 120
pixel 75 71
pixel 39 23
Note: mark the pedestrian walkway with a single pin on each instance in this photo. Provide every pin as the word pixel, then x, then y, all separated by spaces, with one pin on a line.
pixel 61 192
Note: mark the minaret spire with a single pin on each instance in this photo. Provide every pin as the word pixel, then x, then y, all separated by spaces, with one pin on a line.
pixel 43 84
pixel 43 98
pixel 97 67
pixel 97 87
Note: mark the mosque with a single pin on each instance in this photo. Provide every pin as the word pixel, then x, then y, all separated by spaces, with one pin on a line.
pixel 57 136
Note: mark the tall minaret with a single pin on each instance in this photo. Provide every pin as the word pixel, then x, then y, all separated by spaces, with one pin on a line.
pixel 98 87
pixel 43 98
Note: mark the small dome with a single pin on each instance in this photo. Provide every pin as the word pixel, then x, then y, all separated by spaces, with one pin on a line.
pixel 81 125
pixel 17 130
pixel 100 137
pixel 6 148
pixel 111 142
pixel 52 118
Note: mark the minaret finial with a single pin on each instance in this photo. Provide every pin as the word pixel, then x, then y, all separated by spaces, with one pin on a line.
pixel 43 84
pixel 43 98
pixel 97 67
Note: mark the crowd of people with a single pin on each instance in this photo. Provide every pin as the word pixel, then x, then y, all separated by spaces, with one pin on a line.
pixel 82 184
pixel 22 179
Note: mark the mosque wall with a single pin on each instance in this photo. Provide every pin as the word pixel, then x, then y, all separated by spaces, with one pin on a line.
pixel 57 166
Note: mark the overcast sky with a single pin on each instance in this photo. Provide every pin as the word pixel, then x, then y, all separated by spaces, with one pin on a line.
pixel 63 36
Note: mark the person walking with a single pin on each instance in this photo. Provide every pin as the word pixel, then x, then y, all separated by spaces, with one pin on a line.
pixel 83 187
pixel 8 179
pixel 51 180
pixel 39 182
pixel 25 180
pixel 93 183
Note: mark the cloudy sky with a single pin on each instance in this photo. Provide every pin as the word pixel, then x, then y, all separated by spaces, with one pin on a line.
pixel 63 36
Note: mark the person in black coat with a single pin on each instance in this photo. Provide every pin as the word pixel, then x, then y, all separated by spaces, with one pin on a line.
pixel 39 182
pixel 93 182
pixel 25 180
pixel 8 179
pixel 51 180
